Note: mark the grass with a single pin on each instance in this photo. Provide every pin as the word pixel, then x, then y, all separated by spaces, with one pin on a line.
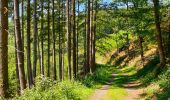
pixel 160 86
pixel 122 76
pixel 116 93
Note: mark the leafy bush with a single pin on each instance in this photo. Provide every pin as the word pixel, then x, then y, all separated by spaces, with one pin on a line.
pixel 88 80
pixel 45 89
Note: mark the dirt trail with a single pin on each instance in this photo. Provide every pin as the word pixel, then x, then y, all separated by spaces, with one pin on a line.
pixel 100 93
pixel 132 89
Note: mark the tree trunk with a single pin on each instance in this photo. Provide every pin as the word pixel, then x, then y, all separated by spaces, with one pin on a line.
pixel 141 48
pixel 3 48
pixel 29 69
pixel 85 42
pixel 63 37
pixel 17 71
pixel 48 49
pixel 54 54
pixel 88 40
pixel 39 52
pixel 77 39
pixel 42 40
pixel 22 35
pixel 91 34
pixel 68 39
pixel 158 34
pixel 35 40
pixel 127 35
pixel 60 45
pixel 19 45
pixel 74 38
pixel 94 39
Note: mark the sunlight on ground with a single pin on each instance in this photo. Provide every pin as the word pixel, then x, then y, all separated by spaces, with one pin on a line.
pixel 115 93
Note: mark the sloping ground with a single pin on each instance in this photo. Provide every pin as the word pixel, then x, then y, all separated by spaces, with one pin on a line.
pixel 133 67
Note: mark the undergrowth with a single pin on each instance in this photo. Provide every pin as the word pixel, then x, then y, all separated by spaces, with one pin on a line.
pixel 101 76
pixel 46 89
pixel 160 86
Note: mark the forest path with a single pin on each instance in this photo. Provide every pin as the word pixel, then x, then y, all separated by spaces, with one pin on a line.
pixel 130 90
pixel 134 93
pixel 99 94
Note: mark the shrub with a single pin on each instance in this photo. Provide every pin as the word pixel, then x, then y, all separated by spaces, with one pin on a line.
pixel 46 89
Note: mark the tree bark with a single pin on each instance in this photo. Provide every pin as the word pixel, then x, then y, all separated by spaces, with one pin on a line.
pixel 68 39
pixel 22 35
pixel 60 44
pixel 39 52
pixel 53 34
pixel 3 48
pixel 35 40
pixel 42 40
pixel 88 40
pixel 16 64
pixel 141 48
pixel 74 38
pixel 93 33
pixel 63 37
pixel 85 42
pixel 48 49
pixel 19 45
pixel 77 39
pixel 158 33
pixel 29 69
pixel 94 39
